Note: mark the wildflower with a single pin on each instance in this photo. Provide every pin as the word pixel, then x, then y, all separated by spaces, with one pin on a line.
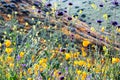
pixel 114 23
pixel 115 60
pixel 84 53
pixel 26 24
pixel 7 43
pixel 21 54
pixel 29 70
pixel 105 16
pixel 116 3
pixel 11 65
pixel 84 75
pixel 103 29
pixel 78 72
pixel 92 29
pixel 86 43
pixel 118 30
pixel 39 11
pixel 0 45
pixel 80 12
pixel 23 65
pixel 29 78
pixel 67 56
pixel 9 59
pixel 93 6
pixel 18 57
pixel 70 4
pixel 69 18
pixel 60 13
pixel 82 63
pixel 99 21
pixel 62 78
pixel 76 62
pixel 33 58
pixel 36 67
pixel 9 50
pixel 33 7
pixel 101 5
pixel 49 5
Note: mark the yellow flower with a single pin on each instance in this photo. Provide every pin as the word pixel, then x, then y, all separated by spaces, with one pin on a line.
pixel 105 16
pixel 11 65
pixel 7 43
pixel 80 11
pixel 33 58
pixel 29 70
pixel 0 45
pixel 102 29
pixel 43 60
pixel 115 60
pixel 88 65
pixel 9 59
pixel 9 50
pixel 86 43
pixel 93 6
pixel 92 29
pixel 84 54
pixel 76 62
pixel 118 30
pixel 7 75
pixel 67 56
pixel 29 78
pixel 22 54
pixel 84 74
pixel 81 63
pixel 36 67
pixel 78 72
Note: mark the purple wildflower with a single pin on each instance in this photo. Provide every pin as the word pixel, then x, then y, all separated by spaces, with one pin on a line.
pixel 18 57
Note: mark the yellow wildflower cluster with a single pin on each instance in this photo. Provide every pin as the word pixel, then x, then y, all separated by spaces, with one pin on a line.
pixel 115 60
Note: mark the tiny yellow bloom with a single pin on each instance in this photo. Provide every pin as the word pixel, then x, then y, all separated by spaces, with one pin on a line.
pixel 26 24
pixel 103 29
pixel 9 59
pixel 105 16
pixel 11 65
pixel 115 60
pixel 92 29
pixel 7 43
pixel 93 6
pixel 86 43
pixel 29 70
pixel 33 7
pixel 9 50
pixel 36 67
pixel 84 54
pixel 84 74
pixel 0 45
pixel 67 56
pixel 78 72
pixel 80 12
pixel 29 78
pixel 22 54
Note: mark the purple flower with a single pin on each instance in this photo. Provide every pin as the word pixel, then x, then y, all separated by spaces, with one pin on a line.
pixel 115 2
pixel 69 18
pixel 70 4
pixel 101 5
pixel 60 13
pixel 18 57
pixel 99 21
pixel 49 5
pixel 39 11
pixel 62 78
pixel 23 65
pixel 114 23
